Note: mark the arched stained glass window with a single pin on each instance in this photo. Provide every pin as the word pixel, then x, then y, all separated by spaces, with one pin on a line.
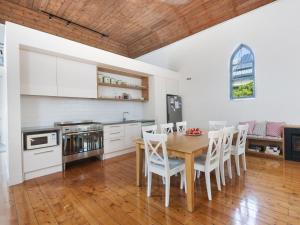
pixel 242 73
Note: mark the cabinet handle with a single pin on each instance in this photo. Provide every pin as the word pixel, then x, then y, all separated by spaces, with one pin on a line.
pixel 115 140
pixel 114 126
pixel 116 133
pixel 38 153
pixel 133 124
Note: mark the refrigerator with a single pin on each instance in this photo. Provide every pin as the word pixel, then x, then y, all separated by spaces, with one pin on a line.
pixel 174 109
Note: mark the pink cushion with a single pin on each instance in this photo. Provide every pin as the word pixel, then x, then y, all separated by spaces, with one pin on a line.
pixel 274 129
pixel 251 125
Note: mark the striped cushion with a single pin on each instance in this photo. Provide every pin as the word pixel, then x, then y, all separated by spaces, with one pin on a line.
pixel 251 125
pixel 260 129
pixel 274 129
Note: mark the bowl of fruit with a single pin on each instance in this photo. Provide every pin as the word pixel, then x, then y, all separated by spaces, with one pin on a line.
pixel 194 132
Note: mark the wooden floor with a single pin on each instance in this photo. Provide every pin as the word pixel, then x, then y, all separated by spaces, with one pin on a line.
pixel 89 193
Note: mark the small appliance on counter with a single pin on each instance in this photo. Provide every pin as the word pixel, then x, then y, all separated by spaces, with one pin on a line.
pixel 81 140
pixel 42 153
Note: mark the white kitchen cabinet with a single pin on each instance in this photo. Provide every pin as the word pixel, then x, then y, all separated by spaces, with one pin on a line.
pixel 38 74
pixel 132 132
pixel 40 162
pixel 118 138
pixel 76 79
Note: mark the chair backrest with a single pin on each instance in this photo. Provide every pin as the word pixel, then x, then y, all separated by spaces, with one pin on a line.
pixel 149 129
pixel 228 133
pixel 214 148
pixel 156 150
pixel 242 137
pixel 166 128
pixel 216 125
pixel 181 127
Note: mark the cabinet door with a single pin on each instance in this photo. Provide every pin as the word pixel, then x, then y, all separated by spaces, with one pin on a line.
pixel 76 79
pixel 132 132
pixel 38 74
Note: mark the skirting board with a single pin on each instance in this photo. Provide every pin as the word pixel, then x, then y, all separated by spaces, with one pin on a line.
pixel 118 153
pixel 42 172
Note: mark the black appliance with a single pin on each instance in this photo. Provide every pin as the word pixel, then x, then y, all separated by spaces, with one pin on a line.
pixel 81 140
pixel 292 144
pixel 174 109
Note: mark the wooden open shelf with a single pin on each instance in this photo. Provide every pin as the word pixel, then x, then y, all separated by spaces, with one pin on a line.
pixel 122 86
pixel 120 99
pixel 144 88
pixel 264 155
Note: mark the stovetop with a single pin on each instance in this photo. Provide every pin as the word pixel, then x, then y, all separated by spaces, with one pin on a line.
pixel 79 126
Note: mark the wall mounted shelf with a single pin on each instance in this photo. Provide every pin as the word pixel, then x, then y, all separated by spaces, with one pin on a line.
pixel 120 99
pixel 142 87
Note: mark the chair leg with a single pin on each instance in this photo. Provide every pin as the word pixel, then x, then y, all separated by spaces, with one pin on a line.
pixel 229 168
pixel 181 180
pixel 217 172
pixel 244 161
pixel 237 164
pixel 222 173
pixel 167 187
pixel 185 189
pixel 149 184
pixel 208 187
pixel 145 166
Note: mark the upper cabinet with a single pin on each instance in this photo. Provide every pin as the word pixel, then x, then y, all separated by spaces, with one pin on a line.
pixel 76 79
pixel 47 75
pixel 38 74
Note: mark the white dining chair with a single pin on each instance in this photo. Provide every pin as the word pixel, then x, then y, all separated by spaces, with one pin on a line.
pixel 216 125
pixel 159 163
pixel 166 128
pixel 240 147
pixel 225 156
pixel 181 127
pixel 152 130
pixel 211 160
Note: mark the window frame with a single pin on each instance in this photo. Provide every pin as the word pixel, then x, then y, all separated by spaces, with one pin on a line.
pixel 231 74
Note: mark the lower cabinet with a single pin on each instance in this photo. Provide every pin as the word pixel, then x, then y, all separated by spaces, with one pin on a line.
pixel 40 162
pixel 119 138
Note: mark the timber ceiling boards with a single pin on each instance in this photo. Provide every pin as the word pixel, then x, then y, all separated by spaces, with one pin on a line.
pixel 144 25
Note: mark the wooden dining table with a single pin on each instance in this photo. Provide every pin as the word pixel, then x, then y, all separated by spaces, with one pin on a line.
pixel 181 146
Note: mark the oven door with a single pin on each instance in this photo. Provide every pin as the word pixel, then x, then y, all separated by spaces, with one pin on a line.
pixel 43 140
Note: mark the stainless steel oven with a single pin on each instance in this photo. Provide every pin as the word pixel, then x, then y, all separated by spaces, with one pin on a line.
pixel 40 139
pixel 81 140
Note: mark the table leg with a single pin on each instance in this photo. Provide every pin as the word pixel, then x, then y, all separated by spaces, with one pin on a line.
pixel 189 166
pixel 139 164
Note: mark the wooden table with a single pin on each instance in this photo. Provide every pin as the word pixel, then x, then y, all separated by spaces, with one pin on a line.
pixel 182 146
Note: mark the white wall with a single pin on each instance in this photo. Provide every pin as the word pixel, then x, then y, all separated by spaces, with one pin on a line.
pixel 17 36
pixel 43 111
pixel 273 33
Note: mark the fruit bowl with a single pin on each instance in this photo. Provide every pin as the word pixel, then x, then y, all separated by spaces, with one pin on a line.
pixel 194 132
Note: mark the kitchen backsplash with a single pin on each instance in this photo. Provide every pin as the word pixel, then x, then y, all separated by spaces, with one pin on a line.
pixel 44 111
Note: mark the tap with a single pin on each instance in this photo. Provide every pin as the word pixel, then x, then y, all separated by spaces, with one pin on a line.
pixel 124 117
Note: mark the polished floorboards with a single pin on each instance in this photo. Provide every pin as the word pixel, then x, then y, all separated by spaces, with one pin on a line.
pixel 95 193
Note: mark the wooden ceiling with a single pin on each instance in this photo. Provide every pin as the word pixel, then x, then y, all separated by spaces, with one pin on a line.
pixel 144 25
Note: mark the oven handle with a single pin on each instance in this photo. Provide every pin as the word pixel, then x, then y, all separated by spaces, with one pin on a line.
pixel 85 132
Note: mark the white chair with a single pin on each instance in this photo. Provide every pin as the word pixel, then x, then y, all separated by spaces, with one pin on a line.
pixel 239 148
pixel 181 127
pixel 216 125
pixel 167 128
pixel 225 156
pixel 151 130
pixel 210 161
pixel 160 164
